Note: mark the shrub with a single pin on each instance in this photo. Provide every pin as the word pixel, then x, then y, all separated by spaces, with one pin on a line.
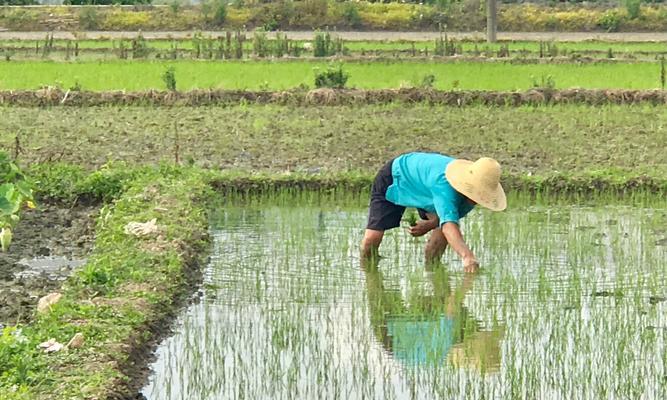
pixel 15 192
pixel 610 21
pixel 428 81
pixel 334 78
pixel 633 7
pixel 219 12
pixel 169 78
pixel 545 82
pixel 18 2
pixel 351 15
pixel 260 44
pixel 89 19
pixel 119 19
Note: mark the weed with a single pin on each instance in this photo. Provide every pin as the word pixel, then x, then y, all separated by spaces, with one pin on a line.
pixel 139 47
pixel 89 18
pixel 16 191
pixel 427 82
pixel 351 15
pixel 325 46
pixel 260 44
pixel 219 12
pixel 332 77
pixel 175 6
pixel 545 82
pixel 169 78
pixel 633 7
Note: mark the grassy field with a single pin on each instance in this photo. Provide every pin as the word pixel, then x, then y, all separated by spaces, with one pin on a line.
pixel 273 138
pixel 142 75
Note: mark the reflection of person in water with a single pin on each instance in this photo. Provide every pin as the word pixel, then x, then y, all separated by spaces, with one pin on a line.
pixel 430 328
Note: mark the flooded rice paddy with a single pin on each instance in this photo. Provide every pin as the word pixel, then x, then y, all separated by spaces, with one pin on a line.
pixel 570 303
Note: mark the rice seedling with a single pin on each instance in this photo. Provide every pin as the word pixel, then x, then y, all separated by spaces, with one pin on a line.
pixel 143 75
pixel 289 305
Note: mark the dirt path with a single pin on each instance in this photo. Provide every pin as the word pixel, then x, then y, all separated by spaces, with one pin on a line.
pixel 390 36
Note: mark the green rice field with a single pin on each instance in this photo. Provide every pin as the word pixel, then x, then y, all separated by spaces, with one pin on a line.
pixel 534 140
pixel 569 304
pixel 144 75
pixel 274 302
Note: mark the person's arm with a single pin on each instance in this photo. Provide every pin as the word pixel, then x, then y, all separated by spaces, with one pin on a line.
pixel 455 240
pixel 423 226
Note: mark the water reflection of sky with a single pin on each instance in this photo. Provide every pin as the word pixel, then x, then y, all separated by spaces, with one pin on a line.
pixel 289 313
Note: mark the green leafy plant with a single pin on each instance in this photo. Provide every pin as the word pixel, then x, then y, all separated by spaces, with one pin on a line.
pixel 545 82
pixel 351 15
pixel 15 360
pixel 410 218
pixel 89 19
pixel 326 46
pixel 169 78
pixel 219 12
pixel 428 81
pixel 334 78
pixel 633 7
pixel 260 44
pixel 611 21
pixel 15 192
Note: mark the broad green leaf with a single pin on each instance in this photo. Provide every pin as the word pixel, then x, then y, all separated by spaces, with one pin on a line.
pixel 6 207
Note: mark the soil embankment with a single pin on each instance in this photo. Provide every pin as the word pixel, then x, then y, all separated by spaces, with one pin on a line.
pixel 330 97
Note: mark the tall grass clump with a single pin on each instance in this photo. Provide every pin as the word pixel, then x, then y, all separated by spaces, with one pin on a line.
pixel 169 78
pixel 332 77
pixel 633 7
pixel 326 46
pixel 260 44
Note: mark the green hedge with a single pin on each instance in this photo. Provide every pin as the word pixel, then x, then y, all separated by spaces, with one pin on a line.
pixel 348 15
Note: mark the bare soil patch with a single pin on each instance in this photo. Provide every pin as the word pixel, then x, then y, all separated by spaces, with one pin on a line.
pixel 48 245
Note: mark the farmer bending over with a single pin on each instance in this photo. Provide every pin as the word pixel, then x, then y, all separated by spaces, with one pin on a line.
pixel 443 190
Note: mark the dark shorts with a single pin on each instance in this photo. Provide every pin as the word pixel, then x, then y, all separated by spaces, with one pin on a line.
pixel 382 213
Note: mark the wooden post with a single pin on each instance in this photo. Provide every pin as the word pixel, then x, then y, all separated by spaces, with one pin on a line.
pixel 491 21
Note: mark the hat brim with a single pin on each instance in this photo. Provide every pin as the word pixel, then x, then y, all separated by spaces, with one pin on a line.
pixel 457 174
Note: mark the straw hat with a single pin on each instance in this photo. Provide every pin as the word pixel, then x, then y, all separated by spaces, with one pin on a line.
pixel 479 181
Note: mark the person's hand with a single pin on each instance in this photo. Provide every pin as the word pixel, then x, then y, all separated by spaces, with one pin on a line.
pixel 470 264
pixel 421 227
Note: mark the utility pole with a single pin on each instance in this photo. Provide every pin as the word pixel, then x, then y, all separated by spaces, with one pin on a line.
pixel 491 21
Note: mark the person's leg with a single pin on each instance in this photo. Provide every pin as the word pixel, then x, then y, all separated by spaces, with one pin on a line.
pixel 435 246
pixel 382 214
pixel 371 242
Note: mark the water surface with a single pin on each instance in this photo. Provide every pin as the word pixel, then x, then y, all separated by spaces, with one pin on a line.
pixel 569 304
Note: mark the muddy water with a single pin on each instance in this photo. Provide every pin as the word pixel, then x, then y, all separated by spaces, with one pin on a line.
pixel 49 243
pixel 570 304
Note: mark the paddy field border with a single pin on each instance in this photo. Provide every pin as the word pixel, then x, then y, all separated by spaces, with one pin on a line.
pixel 55 97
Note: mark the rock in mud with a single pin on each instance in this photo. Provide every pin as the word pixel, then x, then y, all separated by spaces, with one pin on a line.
pixel 45 303
pixel 76 342
pixel 51 346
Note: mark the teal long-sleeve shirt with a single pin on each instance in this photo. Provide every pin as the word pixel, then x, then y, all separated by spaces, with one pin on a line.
pixel 420 182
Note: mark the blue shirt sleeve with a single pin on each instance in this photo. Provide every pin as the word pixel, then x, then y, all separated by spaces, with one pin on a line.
pixel 446 208
pixel 465 208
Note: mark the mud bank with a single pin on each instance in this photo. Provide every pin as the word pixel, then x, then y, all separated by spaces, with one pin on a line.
pixel 48 245
pixel 49 97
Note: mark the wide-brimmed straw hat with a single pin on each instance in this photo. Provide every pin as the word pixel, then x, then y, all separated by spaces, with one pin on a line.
pixel 479 181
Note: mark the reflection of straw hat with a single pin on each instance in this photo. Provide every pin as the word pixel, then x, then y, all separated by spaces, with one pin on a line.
pixel 479 181
pixel 480 351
